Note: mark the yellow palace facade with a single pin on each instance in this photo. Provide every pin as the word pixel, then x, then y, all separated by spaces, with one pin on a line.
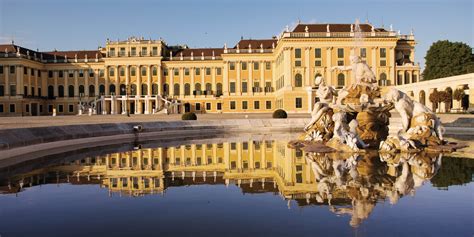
pixel 255 75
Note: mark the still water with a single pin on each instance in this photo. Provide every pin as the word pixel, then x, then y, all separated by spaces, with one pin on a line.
pixel 248 186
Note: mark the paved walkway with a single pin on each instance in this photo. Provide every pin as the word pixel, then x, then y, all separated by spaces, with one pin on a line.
pixel 47 121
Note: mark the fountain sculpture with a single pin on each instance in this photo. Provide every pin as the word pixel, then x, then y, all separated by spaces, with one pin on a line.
pixel 356 118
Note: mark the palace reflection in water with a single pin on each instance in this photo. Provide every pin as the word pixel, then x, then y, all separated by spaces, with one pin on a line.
pixel 347 184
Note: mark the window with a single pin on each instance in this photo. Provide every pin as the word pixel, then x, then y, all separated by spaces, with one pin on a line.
pixel 256 104
pixel 317 52
pixel 298 103
pixel 50 92
pixel 91 90
pixel 50 74
pixel 71 90
pixel 341 80
pixel 383 63
pixel 187 89
pixel 297 53
pixel 60 108
pixel 197 88
pixel 101 73
pixel 154 71
pixel 232 105
pixel 1 70
pixel 155 51
pixel 112 52
pixel 12 70
pixel 91 73
pixel 133 51
pixel 25 70
pixel 363 52
pixel 317 63
pixel 1 108
pixel 176 88
pixel 256 65
pixel 219 89
pixel 244 105
pixel 298 80
pixel 71 108
pixel 244 87
pixel 61 91
pixel 71 74
pixel 340 62
pixel 208 106
pixel 154 89
pixel 144 51
pixel 232 87
pixel 198 106
pixel 186 71
pixel 244 65
pixel 2 90
pixel 143 71
pixel 232 66
pixel 111 72
pixel 176 72
pixel 102 90
pixel 12 108
pixel 267 65
pixel 81 73
pixel 297 63
pixel 122 52
pixel 219 106
pixel 208 89
pixel 268 104
pixel 61 73
pixel 340 53
pixel 208 71
pixel 383 79
pixel 133 71
pixel 122 71
pixel 383 52
pixel 219 71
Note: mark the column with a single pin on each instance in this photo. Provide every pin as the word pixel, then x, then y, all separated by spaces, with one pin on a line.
pixel 262 75
pixel 328 66
pixel 307 72
pixel 28 75
pixel 238 82
pixel 19 80
pixel 213 78
pixel 203 85
pixel 66 83
pixel 181 82
pixel 250 81
pixel 139 90
pixel 6 73
pixel 287 65
pixel 225 79
pixel 127 89
pixel 55 79
pixel 160 81
pixel 76 83
pixel 149 84
pixel 374 60
pixel 44 83
pixel 392 76
pixel 171 85
pixel 86 82
pixel 106 76
pixel 96 82
pixel 193 87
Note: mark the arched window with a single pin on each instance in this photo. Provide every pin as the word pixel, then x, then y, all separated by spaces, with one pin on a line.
pixel 383 79
pixel 144 89
pixel 219 89
pixel 176 89
pixel 197 89
pixel 101 90
pixel 341 80
pixel 187 89
pixel 422 97
pixel 154 89
pixel 154 71
pixel 123 89
pixel 298 80
pixel 50 92
pixel 166 90
pixel 112 89
pixel 407 77
pixel 133 89
pixel 143 71
pixel 92 91
pixel 81 90
pixel 208 89
pixel 71 90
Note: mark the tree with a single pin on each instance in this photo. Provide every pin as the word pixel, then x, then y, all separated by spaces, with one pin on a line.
pixel 445 97
pixel 445 59
pixel 434 99
pixel 458 94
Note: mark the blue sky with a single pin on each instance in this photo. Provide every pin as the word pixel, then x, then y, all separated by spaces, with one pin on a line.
pixel 86 24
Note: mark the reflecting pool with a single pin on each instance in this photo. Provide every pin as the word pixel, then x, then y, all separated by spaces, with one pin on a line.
pixel 245 186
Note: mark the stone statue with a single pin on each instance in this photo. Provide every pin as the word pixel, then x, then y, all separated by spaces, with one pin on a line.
pixel 320 125
pixel 418 121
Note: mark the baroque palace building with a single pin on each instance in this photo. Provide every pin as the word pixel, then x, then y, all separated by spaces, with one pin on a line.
pixel 255 75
